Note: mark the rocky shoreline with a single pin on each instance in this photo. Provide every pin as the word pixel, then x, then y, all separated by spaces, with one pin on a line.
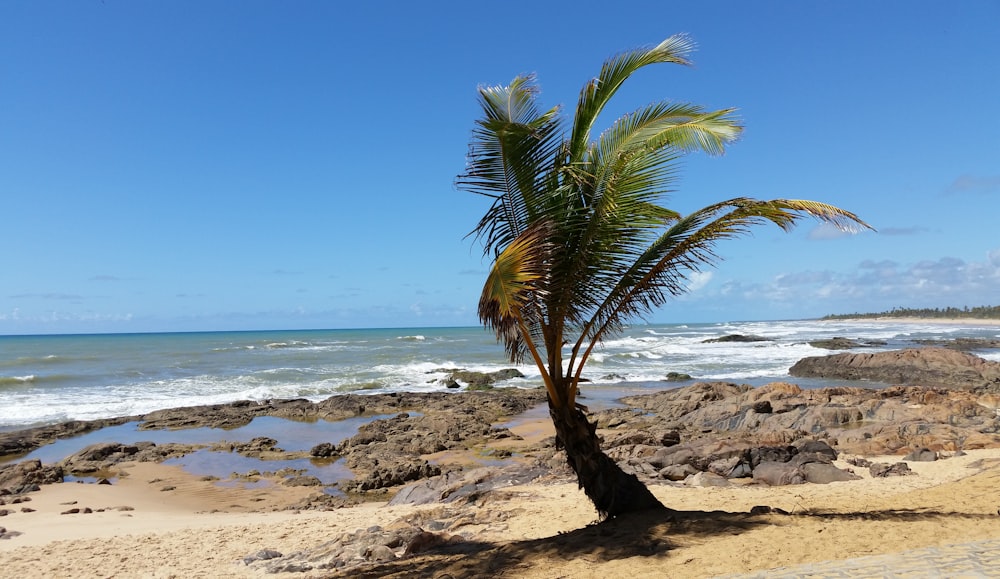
pixel 707 429
pixel 705 434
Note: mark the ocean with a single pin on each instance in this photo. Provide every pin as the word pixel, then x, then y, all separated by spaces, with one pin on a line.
pixel 54 378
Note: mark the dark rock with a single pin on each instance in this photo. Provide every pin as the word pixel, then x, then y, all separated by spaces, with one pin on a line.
pixel 25 476
pixel 394 475
pixel 677 377
pixel 881 469
pixel 963 344
pixel 348 550
pixel 740 469
pixel 859 420
pixel 835 344
pixel 727 467
pixel 762 407
pixel 764 510
pixel 258 444
pixel 778 473
pixel 675 455
pixel 736 338
pixel 631 438
pixel 922 366
pixel 823 473
pixel 424 542
pixel 102 456
pixel 303 481
pixel 859 461
pixel 323 450
pixel 484 380
pixel 615 417
pixel 262 555
pixel 844 344
pixel 921 455
pixel 817 447
pixel 771 454
pixel 379 554
pixel 677 472
pixel 670 438
pixel 464 486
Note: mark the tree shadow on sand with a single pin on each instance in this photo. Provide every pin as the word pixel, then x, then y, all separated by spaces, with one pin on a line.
pixel 635 535
pixel 649 534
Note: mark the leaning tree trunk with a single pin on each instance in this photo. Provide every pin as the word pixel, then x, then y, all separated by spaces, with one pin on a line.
pixel 612 490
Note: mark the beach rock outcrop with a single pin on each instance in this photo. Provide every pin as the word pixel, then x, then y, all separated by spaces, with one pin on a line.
pixel 921 455
pixel 881 469
pixel 963 344
pixel 736 338
pixel 26 476
pixel 809 460
pixel 101 456
pixel 934 367
pixel 388 452
pixel 482 380
pixel 391 475
pixel 718 421
pixel 499 401
pixel 838 343
pixel 465 486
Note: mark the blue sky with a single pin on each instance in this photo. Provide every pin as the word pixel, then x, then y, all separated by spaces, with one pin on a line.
pixel 233 165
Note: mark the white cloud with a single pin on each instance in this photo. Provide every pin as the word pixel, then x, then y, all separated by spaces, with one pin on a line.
pixel 873 285
pixel 827 231
pixel 698 280
pixel 994 257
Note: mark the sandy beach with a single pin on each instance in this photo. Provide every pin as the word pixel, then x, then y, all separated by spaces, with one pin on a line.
pixel 158 521
pixel 970 322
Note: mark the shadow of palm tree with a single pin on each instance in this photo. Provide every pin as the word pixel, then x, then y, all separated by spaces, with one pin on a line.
pixel 634 535
pixel 649 534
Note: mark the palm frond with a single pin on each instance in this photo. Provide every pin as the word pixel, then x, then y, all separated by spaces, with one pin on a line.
pixel 616 70
pixel 514 288
pixel 632 164
pixel 661 271
pixel 510 157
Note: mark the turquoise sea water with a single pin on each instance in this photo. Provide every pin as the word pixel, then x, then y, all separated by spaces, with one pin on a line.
pixel 47 379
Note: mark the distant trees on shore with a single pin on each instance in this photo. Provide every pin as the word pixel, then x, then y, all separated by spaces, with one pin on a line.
pixel 979 313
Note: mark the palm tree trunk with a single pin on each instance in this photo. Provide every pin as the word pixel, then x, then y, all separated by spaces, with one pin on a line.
pixel 611 489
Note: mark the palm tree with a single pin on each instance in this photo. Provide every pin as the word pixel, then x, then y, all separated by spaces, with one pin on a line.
pixel 579 243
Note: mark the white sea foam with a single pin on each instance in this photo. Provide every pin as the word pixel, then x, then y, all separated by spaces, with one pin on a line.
pixel 107 376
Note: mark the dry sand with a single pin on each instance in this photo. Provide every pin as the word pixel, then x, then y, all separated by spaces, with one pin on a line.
pixel 181 526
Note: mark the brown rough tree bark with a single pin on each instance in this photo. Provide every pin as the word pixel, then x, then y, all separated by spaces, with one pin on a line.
pixel 612 490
